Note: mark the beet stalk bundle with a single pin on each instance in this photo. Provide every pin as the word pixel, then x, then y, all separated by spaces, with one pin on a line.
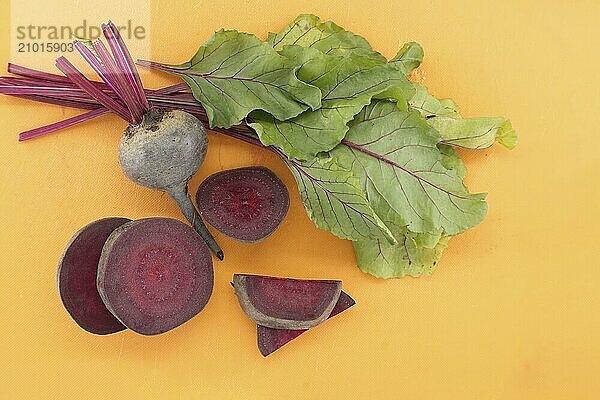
pixel 163 146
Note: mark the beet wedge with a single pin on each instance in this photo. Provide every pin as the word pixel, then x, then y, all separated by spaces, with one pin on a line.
pixel 285 303
pixel 155 274
pixel 270 339
pixel 76 277
pixel 246 204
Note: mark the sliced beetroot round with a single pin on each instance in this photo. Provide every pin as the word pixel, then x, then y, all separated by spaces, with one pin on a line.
pixel 246 204
pixel 76 277
pixel 155 274
pixel 270 339
pixel 286 303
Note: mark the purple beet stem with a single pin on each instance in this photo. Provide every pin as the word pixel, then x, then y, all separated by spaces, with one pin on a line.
pixel 80 80
pixel 125 61
pixel 171 97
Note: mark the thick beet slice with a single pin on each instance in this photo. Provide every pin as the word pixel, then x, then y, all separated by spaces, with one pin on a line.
pixel 155 274
pixel 270 339
pixel 286 303
pixel 246 204
pixel 76 277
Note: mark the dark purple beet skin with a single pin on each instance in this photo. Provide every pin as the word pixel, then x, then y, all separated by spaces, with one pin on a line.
pixel 270 339
pixel 286 303
pixel 76 277
pixel 247 204
pixel 155 274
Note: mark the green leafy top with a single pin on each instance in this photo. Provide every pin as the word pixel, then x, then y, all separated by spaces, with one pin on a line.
pixel 334 200
pixel 414 254
pixel 347 82
pixel 398 154
pixel 349 74
pixel 370 150
pixel 409 57
pixel 235 73
pixel 308 31
pixel 469 133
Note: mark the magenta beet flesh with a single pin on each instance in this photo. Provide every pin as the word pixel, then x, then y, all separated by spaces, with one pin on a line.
pixel 286 303
pixel 246 204
pixel 77 277
pixel 270 339
pixel 155 274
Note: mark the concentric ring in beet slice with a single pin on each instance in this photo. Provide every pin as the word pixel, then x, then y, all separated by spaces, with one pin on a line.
pixel 247 204
pixel 155 274
pixel 269 339
pixel 76 277
pixel 286 303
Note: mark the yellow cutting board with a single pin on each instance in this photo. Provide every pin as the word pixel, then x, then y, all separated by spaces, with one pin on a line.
pixel 510 313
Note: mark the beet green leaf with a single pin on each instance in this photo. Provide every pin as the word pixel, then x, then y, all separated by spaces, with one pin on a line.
pixel 235 73
pixel 347 82
pixel 414 254
pixel 398 153
pixel 335 202
pixel 470 133
pixel 384 260
pixel 409 57
pixel 327 37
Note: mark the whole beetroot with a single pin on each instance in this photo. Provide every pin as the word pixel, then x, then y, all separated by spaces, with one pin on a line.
pixel 163 152
pixel 159 149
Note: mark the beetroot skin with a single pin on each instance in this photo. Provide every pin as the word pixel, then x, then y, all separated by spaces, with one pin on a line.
pixel 247 204
pixel 285 303
pixel 77 277
pixel 270 339
pixel 162 152
pixel 155 274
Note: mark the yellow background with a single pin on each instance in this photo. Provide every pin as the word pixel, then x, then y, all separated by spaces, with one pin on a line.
pixel 511 312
